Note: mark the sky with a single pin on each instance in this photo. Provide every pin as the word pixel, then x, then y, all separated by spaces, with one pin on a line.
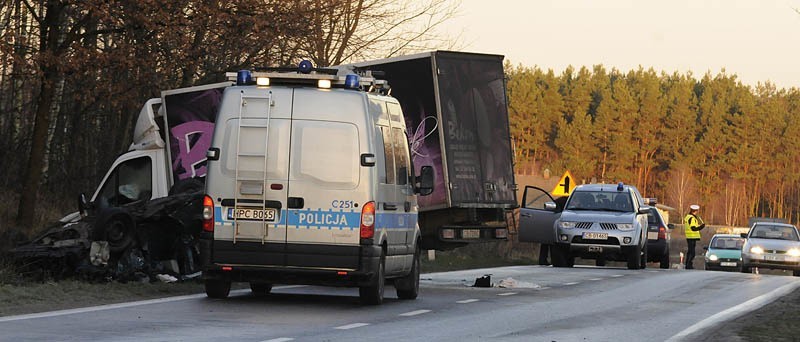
pixel 757 40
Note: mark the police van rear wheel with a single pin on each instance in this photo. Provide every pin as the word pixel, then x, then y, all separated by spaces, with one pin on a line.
pixel 408 287
pixel 216 288
pixel 261 288
pixel 373 294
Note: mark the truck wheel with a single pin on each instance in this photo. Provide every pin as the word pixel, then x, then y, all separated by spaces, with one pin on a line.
pixel 216 288
pixel 261 288
pixel 634 257
pixel 745 269
pixel 117 227
pixel 796 273
pixel 408 287
pixel 643 261
pixel 557 254
pixel 373 294
pixel 665 260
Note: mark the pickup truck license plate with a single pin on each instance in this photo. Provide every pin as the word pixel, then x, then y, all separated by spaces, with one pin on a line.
pixel 595 236
pixel 471 234
pixel 727 264
pixel 773 257
pixel 267 214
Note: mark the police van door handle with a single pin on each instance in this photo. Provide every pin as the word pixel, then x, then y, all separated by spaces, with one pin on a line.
pixel 388 206
pixel 295 203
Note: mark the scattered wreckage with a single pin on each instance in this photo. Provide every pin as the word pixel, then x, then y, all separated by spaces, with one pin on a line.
pixel 145 240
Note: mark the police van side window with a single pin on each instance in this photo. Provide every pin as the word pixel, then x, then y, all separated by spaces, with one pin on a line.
pixel 401 156
pixel 388 151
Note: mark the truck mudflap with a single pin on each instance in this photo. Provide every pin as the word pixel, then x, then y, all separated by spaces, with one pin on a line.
pixel 360 273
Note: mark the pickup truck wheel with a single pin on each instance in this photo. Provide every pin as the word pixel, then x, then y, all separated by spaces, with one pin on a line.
pixel 373 294
pixel 796 273
pixel 261 288
pixel 117 227
pixel 557 254
pixel 600 261
pixel 408 287
pixel 643 261
pixel 665 260
pixel 634 257
pixel 216 288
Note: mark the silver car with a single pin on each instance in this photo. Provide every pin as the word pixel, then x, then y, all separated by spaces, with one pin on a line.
pixel 772 245
pixel 598 221
pixel 603 222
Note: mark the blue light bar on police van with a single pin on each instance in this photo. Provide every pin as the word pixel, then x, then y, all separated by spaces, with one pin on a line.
pixel 243 77
pixel 320 80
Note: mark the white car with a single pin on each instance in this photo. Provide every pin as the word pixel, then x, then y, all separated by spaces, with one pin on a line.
pixel 772 245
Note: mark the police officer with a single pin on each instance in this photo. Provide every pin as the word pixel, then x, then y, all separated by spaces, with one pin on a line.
pixel 692 226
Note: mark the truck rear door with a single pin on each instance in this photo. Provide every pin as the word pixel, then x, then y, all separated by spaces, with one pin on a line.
pixel 474 120
pixel 325 193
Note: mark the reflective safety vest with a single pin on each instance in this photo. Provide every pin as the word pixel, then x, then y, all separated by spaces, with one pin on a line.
pixel 689 222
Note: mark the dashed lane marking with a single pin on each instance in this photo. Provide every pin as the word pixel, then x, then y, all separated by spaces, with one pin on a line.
pixel 595 279
pixel 572 283
pixel 507 294
pixel 352 326
pixel 467 301
pixel 616 275
pixel 414 313
pixel 280 339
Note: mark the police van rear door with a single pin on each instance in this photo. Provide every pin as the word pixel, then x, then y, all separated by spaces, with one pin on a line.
pixel 325 193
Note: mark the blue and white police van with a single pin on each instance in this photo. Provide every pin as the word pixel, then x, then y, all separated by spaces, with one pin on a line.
pixel 310 182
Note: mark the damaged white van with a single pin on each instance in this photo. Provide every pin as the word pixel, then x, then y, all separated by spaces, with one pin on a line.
pixel 310 182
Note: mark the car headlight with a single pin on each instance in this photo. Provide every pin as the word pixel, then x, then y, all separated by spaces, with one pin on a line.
pixel 625 226
pixel 793 252
pixel 757 250
pixel 713 257
pixel 566 224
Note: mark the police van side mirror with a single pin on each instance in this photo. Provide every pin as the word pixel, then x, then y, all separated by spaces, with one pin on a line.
pixel 425 181
pixel 83 205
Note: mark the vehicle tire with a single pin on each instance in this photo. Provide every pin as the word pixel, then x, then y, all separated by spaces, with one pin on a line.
pixel 634 257
pixel 216 288
pixel 408 287
pixel 643 261
pixel 561 256
pixel 116 226
pixel 745 269
pixel 665 260
pixel 373 294
pixel 796 273
pixel 261 288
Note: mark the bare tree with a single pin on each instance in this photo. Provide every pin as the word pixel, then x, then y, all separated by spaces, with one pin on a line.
pixel 346 30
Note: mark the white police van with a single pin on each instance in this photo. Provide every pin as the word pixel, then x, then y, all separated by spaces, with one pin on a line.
pixel 310 182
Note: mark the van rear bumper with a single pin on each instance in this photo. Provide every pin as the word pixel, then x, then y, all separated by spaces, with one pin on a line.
pixel 290 263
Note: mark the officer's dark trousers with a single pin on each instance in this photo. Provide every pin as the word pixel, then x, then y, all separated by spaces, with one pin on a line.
pixel 690 253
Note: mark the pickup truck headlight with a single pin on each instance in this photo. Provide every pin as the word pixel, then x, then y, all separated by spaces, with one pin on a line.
pixel 756 250
pixel 793 252
pixel 625 226
pixel 566 224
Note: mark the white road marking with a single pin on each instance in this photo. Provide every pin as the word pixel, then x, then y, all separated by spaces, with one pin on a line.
pixel 736 311
pixel 507 294
pixel 352 326
pixel 280 339
pixel 543 288
pixel 467 301
pixel 123 305
pixel 414 313
pixel 595 279
pixel 616 275
pixel 572 283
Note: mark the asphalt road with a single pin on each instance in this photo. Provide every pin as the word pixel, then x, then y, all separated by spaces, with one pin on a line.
pixel 539 304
